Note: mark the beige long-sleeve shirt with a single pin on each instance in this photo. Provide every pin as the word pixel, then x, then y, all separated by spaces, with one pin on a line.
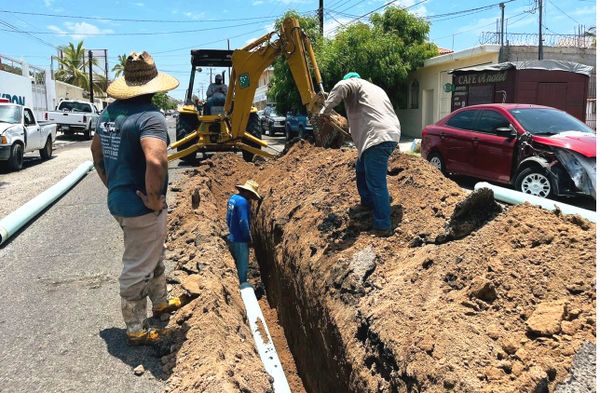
pixel 371 116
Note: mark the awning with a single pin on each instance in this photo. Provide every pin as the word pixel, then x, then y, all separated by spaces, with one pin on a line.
pixel 547 65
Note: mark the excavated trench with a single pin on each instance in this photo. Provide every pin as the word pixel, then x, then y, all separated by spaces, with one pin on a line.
pixel 465 296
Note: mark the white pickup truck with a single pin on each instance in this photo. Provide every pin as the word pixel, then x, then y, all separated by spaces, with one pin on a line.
pixel 20 133
pixel 74 116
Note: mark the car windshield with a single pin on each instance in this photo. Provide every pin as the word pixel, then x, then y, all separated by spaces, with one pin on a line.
pixel 544 121
pixel 10 114
pixel 74 107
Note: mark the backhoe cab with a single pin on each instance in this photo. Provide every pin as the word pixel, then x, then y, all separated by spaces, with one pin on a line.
pixel 237 128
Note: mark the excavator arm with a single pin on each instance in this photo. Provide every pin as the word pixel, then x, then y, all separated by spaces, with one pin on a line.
pixel 249 63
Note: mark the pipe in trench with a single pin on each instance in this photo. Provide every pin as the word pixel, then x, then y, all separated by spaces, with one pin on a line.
pixel 264 345
pixel 515 198
pixel 10 224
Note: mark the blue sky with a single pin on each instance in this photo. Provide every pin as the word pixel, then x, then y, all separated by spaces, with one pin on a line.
pixel 242 21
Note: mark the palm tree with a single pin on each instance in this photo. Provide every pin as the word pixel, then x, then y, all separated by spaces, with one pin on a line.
pixel 120 66
pixel 72 65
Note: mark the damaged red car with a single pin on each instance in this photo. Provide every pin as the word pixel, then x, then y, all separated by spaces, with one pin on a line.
pixel 536 149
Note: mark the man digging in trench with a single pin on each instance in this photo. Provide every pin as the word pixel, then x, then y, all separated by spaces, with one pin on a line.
pixel 238 222
pixel 375 131
pixel 130 155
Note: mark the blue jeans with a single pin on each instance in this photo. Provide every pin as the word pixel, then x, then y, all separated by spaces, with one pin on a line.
pixel 241 254
pixel 371 180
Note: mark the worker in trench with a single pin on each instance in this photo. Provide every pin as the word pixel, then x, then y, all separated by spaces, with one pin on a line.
pixel 238 221
pixel 130 156
pixel 375 130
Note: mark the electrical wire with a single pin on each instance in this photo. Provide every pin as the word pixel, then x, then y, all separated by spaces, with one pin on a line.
pixel 15 29
pixel 564 13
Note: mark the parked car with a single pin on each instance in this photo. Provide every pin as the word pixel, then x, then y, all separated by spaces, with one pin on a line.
pixel 538 150
pixel 74 116
pixel 297 126
pixel 21 133
pixel 272 122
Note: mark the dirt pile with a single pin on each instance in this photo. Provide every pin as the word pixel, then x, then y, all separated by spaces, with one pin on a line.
pixel 465 296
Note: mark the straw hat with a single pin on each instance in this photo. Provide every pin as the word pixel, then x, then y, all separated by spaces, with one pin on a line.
pixel 140 77
pixel 251 186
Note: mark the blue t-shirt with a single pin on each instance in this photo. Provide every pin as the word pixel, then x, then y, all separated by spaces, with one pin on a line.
pixel 121 127
pixel 238 219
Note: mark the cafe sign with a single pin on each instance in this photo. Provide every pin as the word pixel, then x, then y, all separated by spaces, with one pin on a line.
pixel 481 78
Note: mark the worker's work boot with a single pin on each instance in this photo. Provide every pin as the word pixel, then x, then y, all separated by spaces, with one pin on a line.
pixel 134 314
pixel 157 291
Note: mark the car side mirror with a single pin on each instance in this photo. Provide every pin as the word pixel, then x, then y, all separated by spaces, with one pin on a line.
pixel 506 132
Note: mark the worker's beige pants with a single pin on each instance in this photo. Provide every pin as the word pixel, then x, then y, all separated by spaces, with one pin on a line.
pixel 144 239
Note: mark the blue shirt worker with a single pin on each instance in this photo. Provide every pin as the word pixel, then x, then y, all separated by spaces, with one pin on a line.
pixel 238 221
pixel 375 131
pixel 130 156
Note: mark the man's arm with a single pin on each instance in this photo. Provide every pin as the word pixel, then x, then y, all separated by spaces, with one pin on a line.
pixel 336 95
pixel 155 151
pixel 98 158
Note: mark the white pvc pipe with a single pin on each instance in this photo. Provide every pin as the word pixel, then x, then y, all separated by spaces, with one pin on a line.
pixel 515 198
pixel 10 224
pixel 264 345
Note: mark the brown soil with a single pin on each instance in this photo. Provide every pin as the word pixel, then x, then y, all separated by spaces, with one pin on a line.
pixel 464 297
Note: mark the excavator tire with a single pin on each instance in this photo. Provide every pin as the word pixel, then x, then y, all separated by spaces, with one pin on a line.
pixel 252 127
pixel 186 123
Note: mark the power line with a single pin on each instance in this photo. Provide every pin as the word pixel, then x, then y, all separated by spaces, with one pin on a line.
pixel 15 29
pixel 210 42
pixel 564 13
pixel 476 9
pixel 100 18
pixel 63 33
pixel 509 21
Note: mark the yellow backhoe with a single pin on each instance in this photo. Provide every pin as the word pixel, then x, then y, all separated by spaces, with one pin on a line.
pixel 236 129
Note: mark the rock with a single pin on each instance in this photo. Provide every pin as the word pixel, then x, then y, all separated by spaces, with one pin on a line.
pixel 483 289
pixel 569 327
pixel 509 346
pixel 139 370
pixel 191 284
pixel 582 374
pixel 546 318
pixel 517 368
pixel 494 373
pixel 361 266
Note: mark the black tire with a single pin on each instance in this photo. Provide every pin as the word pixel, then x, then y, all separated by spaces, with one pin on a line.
pixel 88 133
pixel 252 127
pixel 186 123
pixel 15 161
pixel 289 135
pixel 46 151
pixel 437 161
pixel 535 181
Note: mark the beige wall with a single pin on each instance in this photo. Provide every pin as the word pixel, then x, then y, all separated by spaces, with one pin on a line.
pixel 65 91
pixel 432 78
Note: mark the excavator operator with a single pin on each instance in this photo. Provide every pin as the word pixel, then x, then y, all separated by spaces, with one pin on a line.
pixel 215 94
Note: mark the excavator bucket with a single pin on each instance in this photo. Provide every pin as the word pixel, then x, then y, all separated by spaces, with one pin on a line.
pixel 330 134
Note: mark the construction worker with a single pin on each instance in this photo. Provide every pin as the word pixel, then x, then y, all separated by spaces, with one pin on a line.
pixel 215 94
pixel 375 130
pixel 238 221
pixel 130 156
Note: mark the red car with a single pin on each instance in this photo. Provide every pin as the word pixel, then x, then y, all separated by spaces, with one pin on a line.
pixel 537 149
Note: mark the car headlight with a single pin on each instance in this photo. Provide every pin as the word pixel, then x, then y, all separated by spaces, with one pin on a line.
pixel 3 140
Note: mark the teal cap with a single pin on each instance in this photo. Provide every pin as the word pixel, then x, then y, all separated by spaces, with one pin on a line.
pixel 351 75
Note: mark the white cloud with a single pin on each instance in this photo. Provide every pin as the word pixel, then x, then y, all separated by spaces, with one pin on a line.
pixel 78 30
pixel 331 26
pixel 257 2
pixel 139 4
pixel 48 3
pixel 194 15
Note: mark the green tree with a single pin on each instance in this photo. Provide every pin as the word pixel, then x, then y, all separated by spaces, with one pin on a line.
pixel 72 65
pixel 282 89
pixel 120 66
pixel 384 51
pixel 164 102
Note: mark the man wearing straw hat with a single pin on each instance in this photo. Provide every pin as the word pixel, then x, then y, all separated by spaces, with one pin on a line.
pixel 130 156
pixel 238 221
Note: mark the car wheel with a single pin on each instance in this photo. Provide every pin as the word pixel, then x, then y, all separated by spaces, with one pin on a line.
pixel 288 134
pixel 15 161
pixel 46 152
pixel 534 181
pixel 437 161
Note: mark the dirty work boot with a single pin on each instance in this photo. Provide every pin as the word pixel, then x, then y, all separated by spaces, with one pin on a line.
pixel 157 291
pixel 134 314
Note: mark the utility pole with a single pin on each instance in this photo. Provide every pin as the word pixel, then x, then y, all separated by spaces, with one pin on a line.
pixel 540 43
pixel 501 25
pixel 321 11
pixel 91 58
pixel 210 72
pixel 228 68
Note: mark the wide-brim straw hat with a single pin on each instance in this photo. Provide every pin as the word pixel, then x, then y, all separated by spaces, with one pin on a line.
pixel 251 186
pixel 140 77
